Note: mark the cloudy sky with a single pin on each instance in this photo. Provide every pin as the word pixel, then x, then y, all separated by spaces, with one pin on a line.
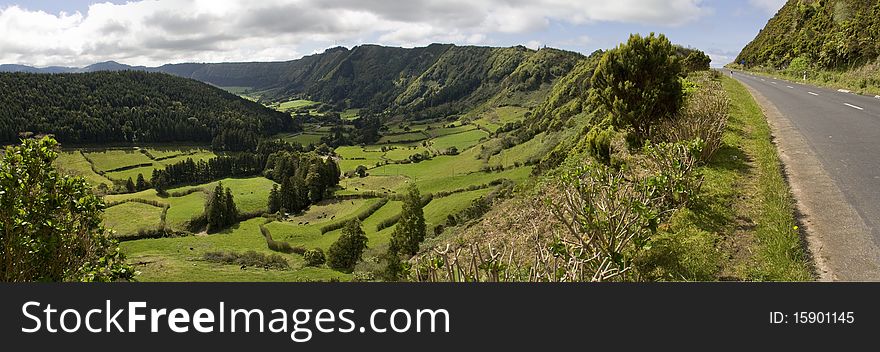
pixel 155 32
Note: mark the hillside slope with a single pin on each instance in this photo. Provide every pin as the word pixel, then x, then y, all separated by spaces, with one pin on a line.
pixel 829 34
pixel 131 107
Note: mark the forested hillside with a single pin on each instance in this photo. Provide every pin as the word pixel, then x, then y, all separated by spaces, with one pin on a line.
pixel 442 77
pixel 131 107
pixel 827 34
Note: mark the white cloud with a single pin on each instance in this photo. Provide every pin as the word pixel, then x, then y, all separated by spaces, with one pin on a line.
pixel 153 32
pixel 771 6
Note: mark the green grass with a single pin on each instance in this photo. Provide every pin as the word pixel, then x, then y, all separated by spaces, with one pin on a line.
pixel 479 178
pixel 462 141
pixel 403 152
pixel 180 259
pixel 304 138
pixel 197 155
pixel 404 137
pixel 298 233
pixel 294 104
pixel 250 194
pixel 352 156
pixel 521 153
pixel 438 167
pixel 439 132
pixel 379 184
pixel 114 159
pixel 439 208
pixel 350 114
pixel 73 163
pixel 376 238
pixel 184 209
pixel 778 253
pixel 127 218
pixel 498 117
pixel 123 175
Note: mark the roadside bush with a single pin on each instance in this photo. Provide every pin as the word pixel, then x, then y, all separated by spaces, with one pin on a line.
pixel 637 84
pixel 675 176
pixel 314 257
pixel 608 219
pixel 703 117
pixel 249 258
pixel 598 142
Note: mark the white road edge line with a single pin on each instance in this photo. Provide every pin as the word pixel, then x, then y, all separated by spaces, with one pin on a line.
pixel 853 106
pixel 844 91
pixel 791 87
pixel 774 82
pixel 813 94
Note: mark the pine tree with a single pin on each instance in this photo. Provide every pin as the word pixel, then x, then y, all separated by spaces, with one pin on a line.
pixel 230 210
pixel 315 184
pixel 274 200
pixel 410 229
pixel 129 185
pixel 141 183
pixel 348 249
pixel 301 194
pixel 215 209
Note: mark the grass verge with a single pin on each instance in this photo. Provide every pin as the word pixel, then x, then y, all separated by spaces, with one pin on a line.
pixel 778 251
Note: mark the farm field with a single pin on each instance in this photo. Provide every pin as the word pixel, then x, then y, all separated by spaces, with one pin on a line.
pixel 461 141
pixel 128 218
pixel 74 163
pixel 498 117
pixel 454 180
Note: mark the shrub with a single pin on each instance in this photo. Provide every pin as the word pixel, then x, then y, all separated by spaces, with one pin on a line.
pixel 598 142
pixel 637 84
pixel 348 249
pixel 249 258
pixel 675 175
pixel 703 117
pixel 314 257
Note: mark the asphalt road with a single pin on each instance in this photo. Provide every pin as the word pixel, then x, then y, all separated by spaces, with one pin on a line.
pixel 843 131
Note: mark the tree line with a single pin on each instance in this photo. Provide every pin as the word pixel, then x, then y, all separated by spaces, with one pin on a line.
pixel 132 107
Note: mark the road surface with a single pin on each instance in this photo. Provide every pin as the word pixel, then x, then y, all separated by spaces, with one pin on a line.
pixel 841 132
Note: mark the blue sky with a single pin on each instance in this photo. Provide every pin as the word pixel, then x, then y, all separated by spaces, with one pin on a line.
pixel 153 32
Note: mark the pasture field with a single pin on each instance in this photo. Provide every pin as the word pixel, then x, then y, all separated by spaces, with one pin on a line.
pixel 127 218
pixel 403 137
pixel 439 132
pixel 439 167
pixel 402 152
pixel 462 141
pixel 73 163
pixel 304 138
pixel 294 104
pixel 378 184
pixel 437 210
pixel 117 158
pixel 250 194
pixel 498 117
pixel 477 178
pixel 180 258
pixel 350 114
pixel 196 155
pixel 296 232
pixel 123 175
pixel 523 152
pixel 376 238
pixel 184 209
